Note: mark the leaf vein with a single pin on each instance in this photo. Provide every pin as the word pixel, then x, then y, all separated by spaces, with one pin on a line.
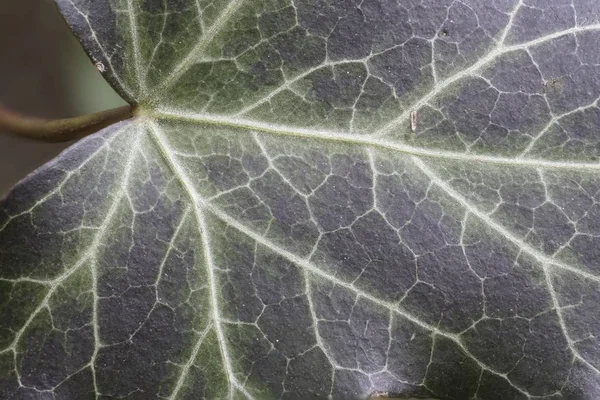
pixel 544 259
pixel 209 262
pixel 348 138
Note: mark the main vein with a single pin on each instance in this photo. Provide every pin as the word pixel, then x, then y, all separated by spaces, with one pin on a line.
pixel 208 258
pixel 348 138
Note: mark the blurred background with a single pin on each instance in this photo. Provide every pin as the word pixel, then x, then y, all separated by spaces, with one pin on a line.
pixel 44 72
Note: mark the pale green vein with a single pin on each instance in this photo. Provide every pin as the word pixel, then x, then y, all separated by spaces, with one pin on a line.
pixel 137 55
pixel 134 150
pixel 161 269
pixel 215 306
pixel 495 53
pixel 555 120
pixel 89 255
pixel 195 55
pixel 188 365
pixel 522 245
pixel 210 267
pixel 348 138
pixel 312 269
pixel 125 88
pixel 59 186
pixel 289 82
pixel 561 321
pixel 509 24
pixel 200 16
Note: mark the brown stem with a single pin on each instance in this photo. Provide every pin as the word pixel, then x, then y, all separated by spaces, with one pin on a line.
pixel 61 130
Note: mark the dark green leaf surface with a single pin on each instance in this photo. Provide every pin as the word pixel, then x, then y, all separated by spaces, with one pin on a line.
pixel 318 198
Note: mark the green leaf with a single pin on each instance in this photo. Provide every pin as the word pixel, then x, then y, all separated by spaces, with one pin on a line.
pixel 317 198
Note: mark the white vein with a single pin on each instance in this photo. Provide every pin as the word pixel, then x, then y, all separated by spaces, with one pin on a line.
pixel 499 50
pixel 561 321
pixel 315 320
pixel 202 205
pixel 161 268
pixel 59 186
pixel 137 55
pixel 312 269
pixel 176 234
pixel 555 120
pixel 289 82
pixel 209 262
pixel 367 141
pixel 450 191
pixel 101 48
pixel 196 54
pixel 89 255
pixel 509 24
pixel 188 365
pixel 546 262
pixel 134 149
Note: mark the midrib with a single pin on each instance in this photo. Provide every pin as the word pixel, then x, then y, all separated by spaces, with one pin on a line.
pixel 363 140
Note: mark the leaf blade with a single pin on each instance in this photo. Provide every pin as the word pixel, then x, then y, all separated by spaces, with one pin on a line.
pixel 318 208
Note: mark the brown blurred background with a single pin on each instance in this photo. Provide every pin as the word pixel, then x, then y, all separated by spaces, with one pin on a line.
pixel 44 72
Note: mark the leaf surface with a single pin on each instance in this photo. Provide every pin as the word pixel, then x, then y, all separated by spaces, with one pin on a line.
pixel 317 199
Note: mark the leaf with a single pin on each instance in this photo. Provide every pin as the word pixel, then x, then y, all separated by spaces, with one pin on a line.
pixel 318 199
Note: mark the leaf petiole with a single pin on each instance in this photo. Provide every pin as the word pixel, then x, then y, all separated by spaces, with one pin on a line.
pixel 61 130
